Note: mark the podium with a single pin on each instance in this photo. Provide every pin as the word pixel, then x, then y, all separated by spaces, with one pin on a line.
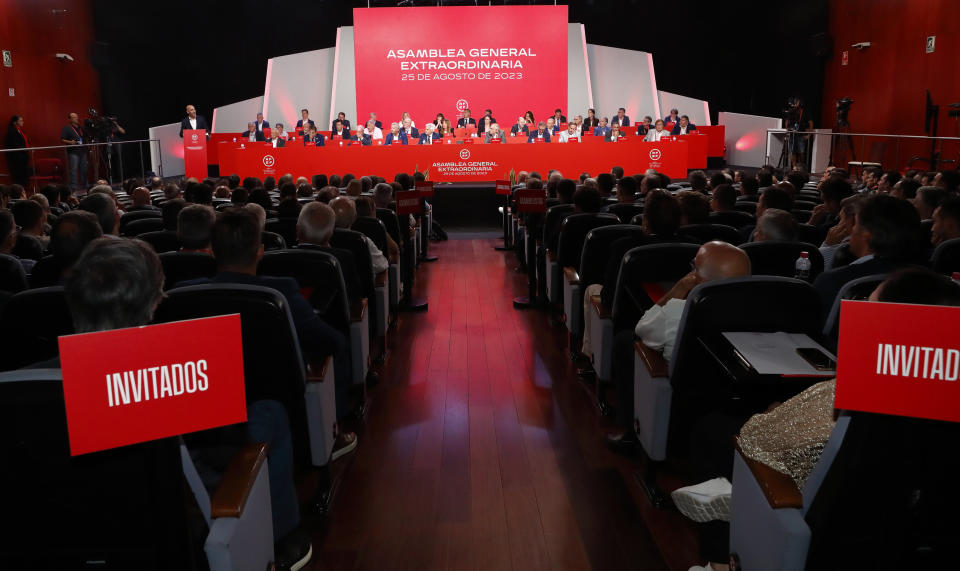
pixel 195 153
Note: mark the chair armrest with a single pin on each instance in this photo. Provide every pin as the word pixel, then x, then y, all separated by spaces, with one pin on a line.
pixel 317 370
pixel 358 309
pixel 603 312
pixel 654 361
pixel 780 489
pixel 235 485
pixel 380 280
pixel 551 255
pixel 571 274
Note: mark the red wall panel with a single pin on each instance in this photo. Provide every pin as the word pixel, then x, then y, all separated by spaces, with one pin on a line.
pixel 46 89
pixel 888 80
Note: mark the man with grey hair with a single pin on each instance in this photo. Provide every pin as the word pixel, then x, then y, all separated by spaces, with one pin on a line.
pixel 314 229
pixel 494 134
pixel 252 134
pixel 259 212
pixel 383 195
pixel 346 212
pixel 775 225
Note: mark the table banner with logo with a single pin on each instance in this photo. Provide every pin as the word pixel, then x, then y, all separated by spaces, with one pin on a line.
pixel 195 153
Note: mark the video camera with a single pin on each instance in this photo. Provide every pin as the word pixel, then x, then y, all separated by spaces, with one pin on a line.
pixel 99 128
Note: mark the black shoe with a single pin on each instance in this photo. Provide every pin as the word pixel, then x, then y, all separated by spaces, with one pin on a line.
pixel 626 443
pixel 294 551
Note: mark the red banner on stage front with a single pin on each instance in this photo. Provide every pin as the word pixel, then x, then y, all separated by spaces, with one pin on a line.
pixel 195 153
pixel 456 163
pixel 445 59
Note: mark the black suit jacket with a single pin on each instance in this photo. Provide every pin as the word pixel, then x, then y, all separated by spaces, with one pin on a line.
pixel 201 124
pixel 413 134
pixel 676 128
pixel 485 123
pixel 348 267
pixel 463 122
pixel 346 124
pixel 262 126
pixel 258 135
pixel 829 283
pixel 309 122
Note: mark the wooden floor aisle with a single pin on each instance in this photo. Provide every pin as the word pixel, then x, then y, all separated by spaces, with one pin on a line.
pixel 481 450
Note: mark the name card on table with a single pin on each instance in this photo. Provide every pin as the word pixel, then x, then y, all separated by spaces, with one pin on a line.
pixel 503 187
pixel 408 202
pixel 531 200
pixel 899 359
pixel 127 386
pixel 425 188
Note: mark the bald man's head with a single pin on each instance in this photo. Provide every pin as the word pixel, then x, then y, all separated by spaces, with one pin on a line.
pixel 315 224
pixel 345 210
pixel 720 260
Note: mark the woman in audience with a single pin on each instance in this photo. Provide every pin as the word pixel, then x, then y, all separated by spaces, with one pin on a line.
pixel 788 437
pixel 439 119
pixel 444 128
pixel 591 121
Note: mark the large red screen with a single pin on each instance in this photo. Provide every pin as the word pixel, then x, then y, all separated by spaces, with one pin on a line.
pixel 430 60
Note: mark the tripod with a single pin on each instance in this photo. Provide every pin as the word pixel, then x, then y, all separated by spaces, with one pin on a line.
pixel 842 143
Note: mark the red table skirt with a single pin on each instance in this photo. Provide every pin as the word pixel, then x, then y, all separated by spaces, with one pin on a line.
pixel 454 162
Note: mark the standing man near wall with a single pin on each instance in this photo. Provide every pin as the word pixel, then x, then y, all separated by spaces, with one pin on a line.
pixel 73 135
pixel 193 121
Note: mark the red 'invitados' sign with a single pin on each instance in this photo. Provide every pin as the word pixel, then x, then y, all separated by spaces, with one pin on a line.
pixel 531 200
pixel 503 187
pixel 408 202
pixel 425 188
pixel 153 385
pixel 899 359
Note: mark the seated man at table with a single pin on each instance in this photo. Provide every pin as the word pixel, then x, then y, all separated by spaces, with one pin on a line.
pixel 278 137
pixel 601 130
pixel 344 122
pixel 395 136
pixel 408 129
pixel 558 116
pixel 657 133
pixel 376 122
pixel 341 130
pixel 657 328
pixel 540 134
pixel 673 117
pixel 683 126
pixel 520 128
pixel 552 126
pixel 304 121
pixel 429 135
pixel 466 120
pixel 370 133
pixel 251 134
pixel 313 138
pixel 615 134
pixel 621 118
pixel 494 134
pixel 570 133
pixel 644 126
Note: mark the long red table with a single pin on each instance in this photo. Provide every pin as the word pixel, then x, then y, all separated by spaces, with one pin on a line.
pixel 454 162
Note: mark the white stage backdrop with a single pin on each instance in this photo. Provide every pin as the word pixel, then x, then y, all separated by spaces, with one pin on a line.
pixel 746 137
pixel 233 118
pixel 697 109
pixel 623 78
pixel 345 80
pixel 299 81
pixel 171 150
pixel 579 94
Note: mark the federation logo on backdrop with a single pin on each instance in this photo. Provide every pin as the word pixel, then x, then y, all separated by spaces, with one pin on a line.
pixel 462 105
pixel 464 154
pixel 269 161
pixel 655 154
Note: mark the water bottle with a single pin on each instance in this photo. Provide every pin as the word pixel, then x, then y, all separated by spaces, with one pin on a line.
pixel 803 267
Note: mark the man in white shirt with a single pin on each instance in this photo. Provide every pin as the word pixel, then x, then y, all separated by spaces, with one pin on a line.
pixel 570 133
pixel 260 123
pixel 495 135
pixel 371 131
pixel 278 136
pixel 252 134
pixel 578 122
pixel 657 133
pixel 193 121
pixel 346 212
pixel 657 329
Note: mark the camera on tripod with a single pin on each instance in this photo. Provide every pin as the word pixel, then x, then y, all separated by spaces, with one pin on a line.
pixel 843 111
pixel 99 128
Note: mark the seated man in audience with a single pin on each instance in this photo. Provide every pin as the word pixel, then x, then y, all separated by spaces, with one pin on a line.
pixel 495 135
pixel 8 239
pixel 376 122
pixel 278 137
pixel 569 133
pixel 614 135
pixel 887 182
pixel 314 139
pixel 252 134
pixel 883 239
pixel 344 122
pixel 626 189
pixel 643 127
pixel 31 219
pixel 578 123
pixel 559 117
pixel 695 208
pixel 621 118
pixel 835 246
pixel 775 226
pixel 724 199
pixel 429 134
pixel 552 127
pixel 408 129
pixel 832 191
pixel 946 221
pixel 772 197
pixel 585 200
pixel 304 121
pixel 395 136
pixel 141 200
pixel 371 132
pixel 105 209
pixel 673 117
pixel 383 195
pixel 346 212
pixel 194 226
pixel 541 133
pixel 683 126
pixel 601 130
pixel 869 178
pixel 749 190
pixel 520 128
pixel 657 133
pixel 314 230
pixel 657 328
pixel 698 181
pixel 948 181
pixel 238 249
pixel 927 200
pixel 341 130
pixel 466 120
pixel 118 284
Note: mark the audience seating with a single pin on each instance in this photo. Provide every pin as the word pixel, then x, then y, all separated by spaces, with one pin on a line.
pixel 734 218
pixel 12 277
pixel 388 286
pixel 272 241
pixel 860 288
pixel 141 226
pixel 353 241
pixel 273 366
pixel 746 206
pixel 46 273
pixel 926 231
pixel 286 227
pixel 546 259
pixel 33 320
pixel 573 231
pixel 810 234
pixel 624 211
pixel 182 266
pixel 27 247
pixel 946 257
pixel 124 508
pixel 392 226
pixel 161 241
pixel 780 258
pixel 708 232
pixel 128 217
pixel 802 216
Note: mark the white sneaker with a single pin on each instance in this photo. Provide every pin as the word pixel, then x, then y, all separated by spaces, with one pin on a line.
pixel 706 501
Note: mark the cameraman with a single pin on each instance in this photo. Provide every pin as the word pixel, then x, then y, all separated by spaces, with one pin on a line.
pixel 73 134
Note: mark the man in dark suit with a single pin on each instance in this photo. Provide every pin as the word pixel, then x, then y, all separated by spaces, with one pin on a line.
pixel 601 130
pixel 541 133
pixel 376 122
pixel 312 138
pixel 644 126
pixel 340 130
pixel 621 118
pixel 519 128
pixel 314 230
pixel 193 121
pixel 683 127
pixel 409 129
pixel 342 117
pixel 260 123
pixel 884 238
pixel 252 134
pixel 429 135
pixel 466 120
pixel 486 121
pixel 559 117
pixel 304 120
